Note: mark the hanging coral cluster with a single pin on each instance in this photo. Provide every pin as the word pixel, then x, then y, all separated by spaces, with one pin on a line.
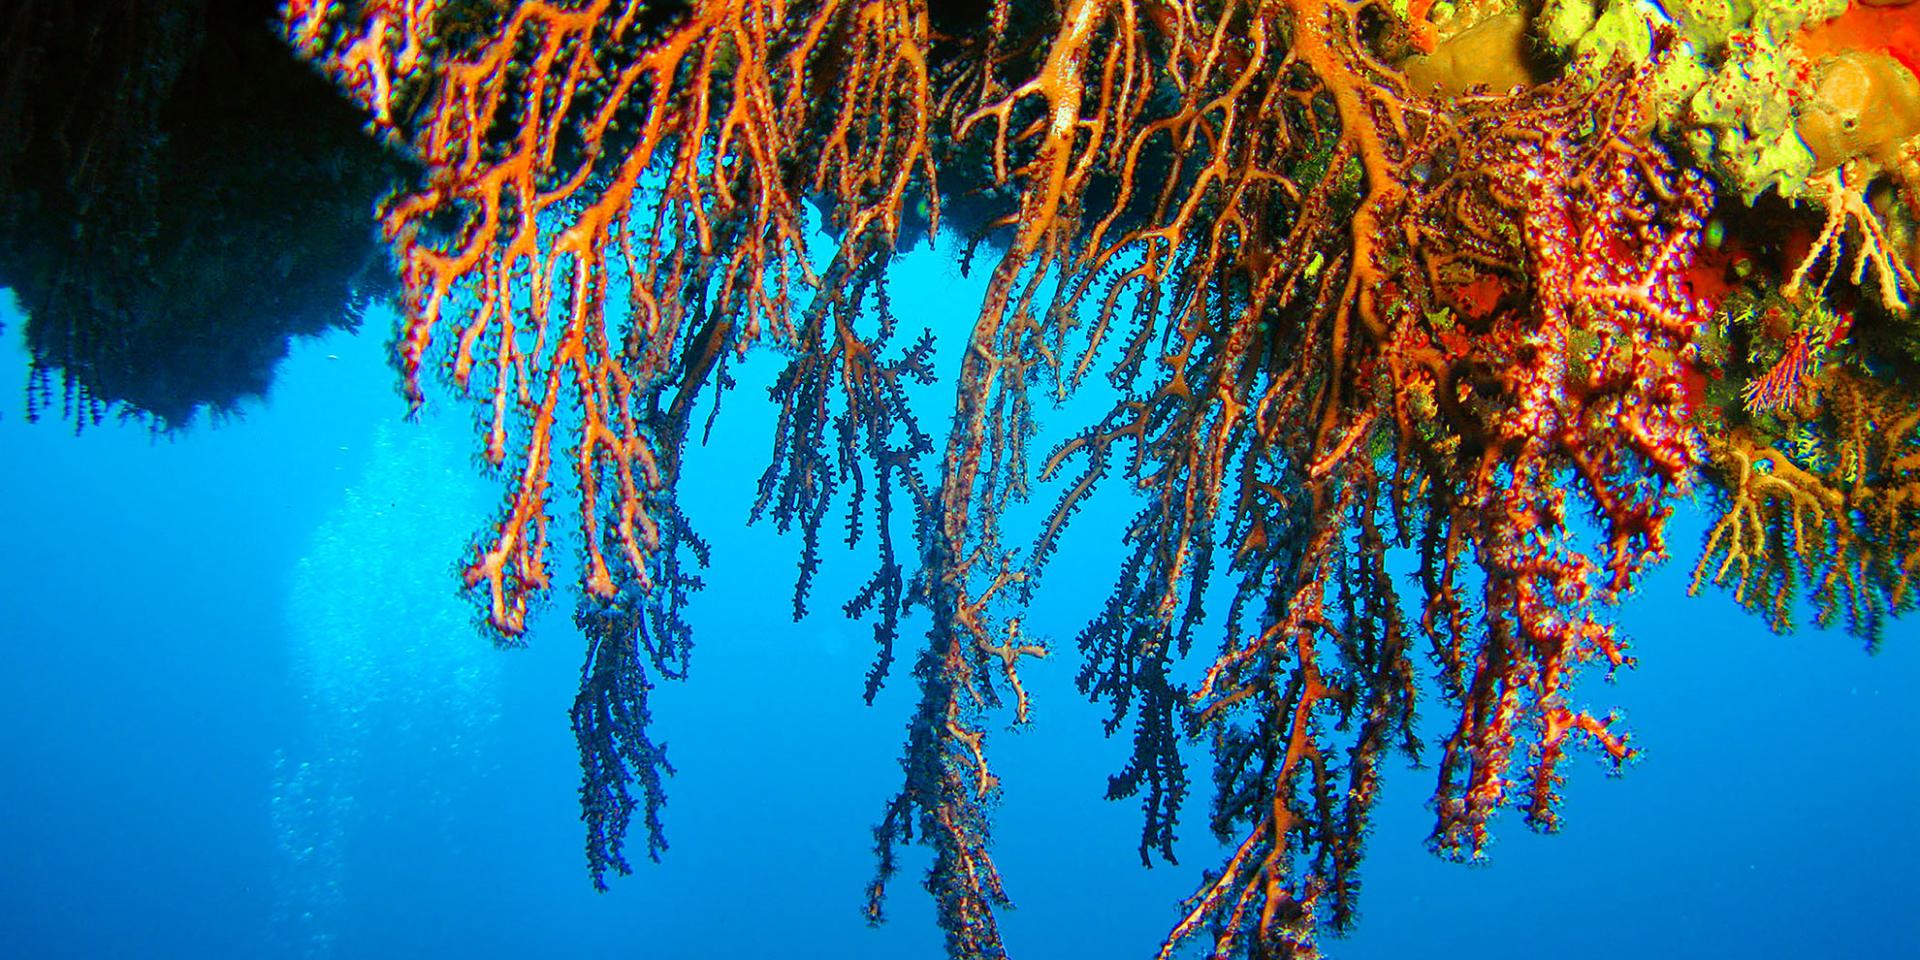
pixel 1364 277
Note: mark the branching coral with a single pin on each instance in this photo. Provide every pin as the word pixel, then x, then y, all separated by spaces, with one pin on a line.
pixel 560 100
pixel 639 636
pixel 1579 240
pixel 1342 315
pixel 1834 505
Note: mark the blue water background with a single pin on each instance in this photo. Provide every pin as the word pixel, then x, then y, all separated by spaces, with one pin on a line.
pixel 243 714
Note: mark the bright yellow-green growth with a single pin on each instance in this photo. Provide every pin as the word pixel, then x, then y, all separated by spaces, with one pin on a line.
pixel 1731 88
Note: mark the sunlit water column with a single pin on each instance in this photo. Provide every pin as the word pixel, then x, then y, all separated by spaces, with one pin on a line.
pixel 388 662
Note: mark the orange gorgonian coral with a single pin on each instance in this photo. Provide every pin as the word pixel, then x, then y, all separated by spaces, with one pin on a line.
pixel 1340 316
